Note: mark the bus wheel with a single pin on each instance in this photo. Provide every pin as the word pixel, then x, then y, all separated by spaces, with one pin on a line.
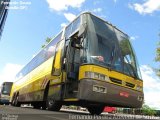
pixel 43 105
pixel 13 100
pixel 95 110
pixel 17 104
pixel 53 105
pixel 36 106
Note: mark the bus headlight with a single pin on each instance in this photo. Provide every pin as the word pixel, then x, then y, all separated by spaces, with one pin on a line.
pixel 96 75
pixel 101 77
pixel 89 74
pixel 139 88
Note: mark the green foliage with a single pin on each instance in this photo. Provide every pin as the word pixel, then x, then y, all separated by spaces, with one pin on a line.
pixel 124 47
pixel 146 110
pixel 157 58
pixel 48 39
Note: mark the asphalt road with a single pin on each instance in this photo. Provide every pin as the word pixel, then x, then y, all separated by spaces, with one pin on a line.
pixel 28 113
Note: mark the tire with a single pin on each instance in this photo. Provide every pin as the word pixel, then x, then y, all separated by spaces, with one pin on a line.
pixel 53 105
pixel 6 103
pixel 43 106
pixel 13 101
pixel 36 106
pixel 95 110
pixel 17 104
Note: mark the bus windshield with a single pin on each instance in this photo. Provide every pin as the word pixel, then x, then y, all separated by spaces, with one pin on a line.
pixel 109 47
pixel 6 88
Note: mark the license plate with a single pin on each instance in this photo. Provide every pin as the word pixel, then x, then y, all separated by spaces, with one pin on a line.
pixel 100 89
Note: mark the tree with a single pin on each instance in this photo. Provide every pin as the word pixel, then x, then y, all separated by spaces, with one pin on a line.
pixel 157 58
pixel 146 110
pixel 48 39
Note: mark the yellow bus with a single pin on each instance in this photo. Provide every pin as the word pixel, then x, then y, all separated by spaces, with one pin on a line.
pixel 5 90
pixel 90 63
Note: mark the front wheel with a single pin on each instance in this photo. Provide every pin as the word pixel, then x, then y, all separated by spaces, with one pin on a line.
pixel 95 110
pixel 53 105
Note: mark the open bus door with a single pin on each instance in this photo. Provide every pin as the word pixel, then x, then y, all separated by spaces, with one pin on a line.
pixel 54 93
pixel 72 67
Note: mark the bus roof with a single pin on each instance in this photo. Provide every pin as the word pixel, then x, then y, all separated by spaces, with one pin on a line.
pixel 100 19
pixel 7 83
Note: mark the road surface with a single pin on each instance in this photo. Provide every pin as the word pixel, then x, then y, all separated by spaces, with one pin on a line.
pixel 28 113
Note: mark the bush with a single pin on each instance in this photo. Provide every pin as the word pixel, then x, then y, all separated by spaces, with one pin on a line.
pixel 146 110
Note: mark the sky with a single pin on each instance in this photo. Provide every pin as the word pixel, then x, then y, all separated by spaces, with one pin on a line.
pixel 30 22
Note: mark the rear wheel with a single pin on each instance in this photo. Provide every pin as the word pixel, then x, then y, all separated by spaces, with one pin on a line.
pixel 53 105
pixel 13 100
pixel 95 110
pixel 36 106
pixel 17 103
pixel 43 105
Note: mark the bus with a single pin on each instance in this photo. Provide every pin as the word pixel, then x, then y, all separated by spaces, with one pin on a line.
pixel 5 92
pixel 90 63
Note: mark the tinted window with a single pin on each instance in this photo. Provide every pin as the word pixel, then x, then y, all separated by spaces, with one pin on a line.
pixel 41 57
pixel 128 56
pixel 68 31
pixel 75 25
pixel 6 89
pixel 102 46
pixel 72 27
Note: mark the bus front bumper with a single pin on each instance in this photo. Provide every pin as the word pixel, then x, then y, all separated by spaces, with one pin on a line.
pixel 109 94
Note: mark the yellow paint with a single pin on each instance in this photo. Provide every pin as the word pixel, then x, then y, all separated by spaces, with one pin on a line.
pixel 113 74
pixel 71 99
pixel 58 55
pixel 33 81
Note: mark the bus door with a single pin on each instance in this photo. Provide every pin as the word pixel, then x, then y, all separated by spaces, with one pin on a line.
pixel 57 71
pixel 72 68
